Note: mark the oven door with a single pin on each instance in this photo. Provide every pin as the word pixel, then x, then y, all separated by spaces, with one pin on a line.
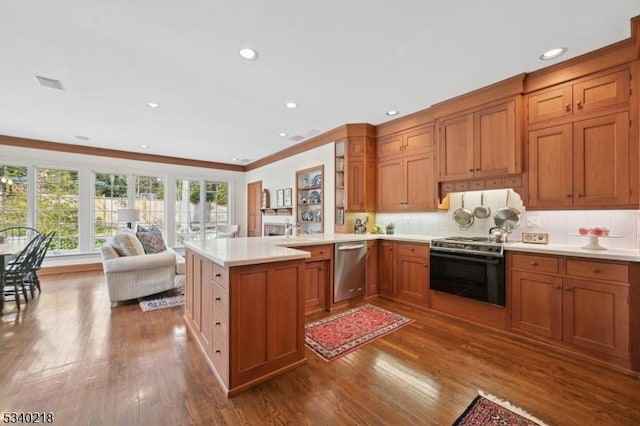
pixel 472 276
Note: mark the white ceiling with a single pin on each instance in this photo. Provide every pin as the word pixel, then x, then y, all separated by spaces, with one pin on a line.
pixel 343 61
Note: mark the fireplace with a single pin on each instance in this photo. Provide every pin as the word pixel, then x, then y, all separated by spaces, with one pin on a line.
pixel 273 229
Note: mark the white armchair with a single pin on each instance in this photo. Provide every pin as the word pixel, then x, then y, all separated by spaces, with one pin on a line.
pixel 130 277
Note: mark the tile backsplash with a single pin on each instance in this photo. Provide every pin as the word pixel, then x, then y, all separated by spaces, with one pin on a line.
pixel 559 224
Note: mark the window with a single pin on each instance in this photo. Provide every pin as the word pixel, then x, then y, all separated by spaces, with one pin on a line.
pixel 150 200
pixel 13 196
pixel 110 194
pixel 198 212
pixel 57 204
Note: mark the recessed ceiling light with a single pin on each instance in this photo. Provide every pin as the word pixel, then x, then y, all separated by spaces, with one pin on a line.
pixel 248 54
pixel 153 105
pixel 392 112
pixel 283 134
pixel 143 146
pixel 291 105
pixel 553 53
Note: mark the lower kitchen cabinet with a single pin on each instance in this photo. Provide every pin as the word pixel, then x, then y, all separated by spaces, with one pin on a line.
pixel 385 271
pixel 412 273
pixel 582 305
pixel 372 267
pixel 317 271
pixel 248 320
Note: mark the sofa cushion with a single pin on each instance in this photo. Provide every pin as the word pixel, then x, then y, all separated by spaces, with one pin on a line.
pixel 151 239
pixel 126 243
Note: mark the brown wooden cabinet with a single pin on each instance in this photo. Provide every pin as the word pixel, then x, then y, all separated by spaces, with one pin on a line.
pixel 372 267
pixel 583 95
pixel 582 305
pixel 483 142
pixel 317 277
pixel 407 183
pixel 418 139
pixel 248 320
pixel 581 164
pixel 412 273
pixel 386 268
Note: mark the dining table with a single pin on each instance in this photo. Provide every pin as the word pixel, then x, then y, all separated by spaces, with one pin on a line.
pixel 8 249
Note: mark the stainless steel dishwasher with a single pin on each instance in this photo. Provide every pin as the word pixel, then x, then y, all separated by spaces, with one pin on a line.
pixel 350 268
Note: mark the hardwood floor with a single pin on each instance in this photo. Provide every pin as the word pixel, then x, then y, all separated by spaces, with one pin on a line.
pixel 70 354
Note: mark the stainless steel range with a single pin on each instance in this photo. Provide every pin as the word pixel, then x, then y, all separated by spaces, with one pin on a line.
pixel 470 267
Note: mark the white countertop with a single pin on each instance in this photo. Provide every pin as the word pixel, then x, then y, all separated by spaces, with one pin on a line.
pixel 229 252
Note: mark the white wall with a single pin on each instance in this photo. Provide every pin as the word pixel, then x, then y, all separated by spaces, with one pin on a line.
pixel 282 174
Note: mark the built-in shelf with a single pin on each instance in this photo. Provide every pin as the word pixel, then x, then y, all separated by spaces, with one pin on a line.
pixel 279 211
pixel 310 199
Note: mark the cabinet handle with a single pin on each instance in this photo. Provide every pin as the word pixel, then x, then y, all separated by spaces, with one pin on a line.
pixel 568 107
pixel 426 265
pixel 470 170
pixel 579 104
pixel 568 288
pixel 413 249
pixel 595 270
pixel 569 195
pixel 580 195
pixel 557 287
pixel 534 263
pixel 218 275
pixel 217 324
pixel 321 252
pixel 217 299
pixel 478 169
pixel 218 352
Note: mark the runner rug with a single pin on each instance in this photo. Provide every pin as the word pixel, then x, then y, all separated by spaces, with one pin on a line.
pixel 163 300
pixel 345 332
pixel 489 410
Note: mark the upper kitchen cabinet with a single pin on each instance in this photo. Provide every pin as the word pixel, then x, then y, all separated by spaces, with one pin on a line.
pixel 482 142
pixel 407 171
pixel 583 95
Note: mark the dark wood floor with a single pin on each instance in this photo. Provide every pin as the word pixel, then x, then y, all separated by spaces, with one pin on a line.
pixel 70 354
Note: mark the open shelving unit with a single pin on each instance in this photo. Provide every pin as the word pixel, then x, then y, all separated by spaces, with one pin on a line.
pixel 309 199
pixel 339 180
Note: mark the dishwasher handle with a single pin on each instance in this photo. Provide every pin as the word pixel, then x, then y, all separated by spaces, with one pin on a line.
pixel 350 247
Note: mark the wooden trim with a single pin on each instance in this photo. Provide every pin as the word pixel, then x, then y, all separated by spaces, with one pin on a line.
pixel 113 153
pixel 69 269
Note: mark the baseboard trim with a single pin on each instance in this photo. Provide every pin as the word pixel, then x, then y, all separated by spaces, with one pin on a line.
pixel 67 269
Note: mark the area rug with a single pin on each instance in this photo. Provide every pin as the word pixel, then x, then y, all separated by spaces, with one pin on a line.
pixel 487 409
pixel 339 334
pixel 159 301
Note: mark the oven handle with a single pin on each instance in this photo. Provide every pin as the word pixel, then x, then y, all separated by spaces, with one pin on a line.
pixel 494 260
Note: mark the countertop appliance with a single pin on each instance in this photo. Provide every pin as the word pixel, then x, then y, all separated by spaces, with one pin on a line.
pixel 471 267
pixel 350 270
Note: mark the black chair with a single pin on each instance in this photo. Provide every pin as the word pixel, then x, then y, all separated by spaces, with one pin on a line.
pixel 32 280
pixel 18 271
pixel 19 233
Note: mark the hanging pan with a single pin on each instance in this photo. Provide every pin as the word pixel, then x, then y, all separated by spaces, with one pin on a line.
pixel 507 218
pixel 463 217
pixel 482 211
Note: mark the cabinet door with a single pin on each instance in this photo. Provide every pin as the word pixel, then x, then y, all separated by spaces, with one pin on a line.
pixel 456 148
pixel 316 280
pixel 600 92
pixel 188 305
pixel 550 167
pixel 419 182
pixel 372 268
pixel 536 304
pixel 418 140
pixel 389 145
pixel 206 308
pixel 496 148
pixel 385 276
pixel 356 185
pixel 601 155
pixel 197 292
pixel 390 185
pixel 596 316
pixel 254 214
pixel 549 104
pixel 412 274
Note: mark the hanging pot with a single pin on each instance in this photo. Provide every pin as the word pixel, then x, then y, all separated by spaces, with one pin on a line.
pixel 482 211
pixel 507 218
pixel 463 217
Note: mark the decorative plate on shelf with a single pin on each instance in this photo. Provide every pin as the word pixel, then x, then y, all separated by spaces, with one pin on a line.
pixel 317 180
pixel 314 197
pixel 317 215
pixel 307 215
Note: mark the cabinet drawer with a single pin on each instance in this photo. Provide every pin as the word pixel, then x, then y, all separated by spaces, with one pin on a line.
pixel 407 249
pixel 220 298
pixel 598 270
pixel 220 325
pixel 318 252
pixel 220 275
pixel 529 262
pixel 220 357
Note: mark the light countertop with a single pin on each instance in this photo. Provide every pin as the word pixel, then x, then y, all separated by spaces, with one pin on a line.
pixel 229 252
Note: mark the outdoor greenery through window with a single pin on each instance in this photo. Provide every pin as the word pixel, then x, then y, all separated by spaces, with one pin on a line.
pixel 13 196
pixel 150 200
pixel 200 206
pixel 57 206
pixel 110 194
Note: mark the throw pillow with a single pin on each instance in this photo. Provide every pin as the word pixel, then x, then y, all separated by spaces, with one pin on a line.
pixel 151 239
pixel 126 243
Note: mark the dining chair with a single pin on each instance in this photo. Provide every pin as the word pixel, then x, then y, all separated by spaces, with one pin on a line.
pixel 17 271
pixel 18 233
pixel 32 280
pixel 227 231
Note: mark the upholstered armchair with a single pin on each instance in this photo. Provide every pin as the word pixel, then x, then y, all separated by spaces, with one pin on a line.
pixel 131 273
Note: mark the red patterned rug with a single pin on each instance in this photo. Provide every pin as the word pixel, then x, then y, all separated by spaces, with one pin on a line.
pixel 345 332
pixel 489 410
